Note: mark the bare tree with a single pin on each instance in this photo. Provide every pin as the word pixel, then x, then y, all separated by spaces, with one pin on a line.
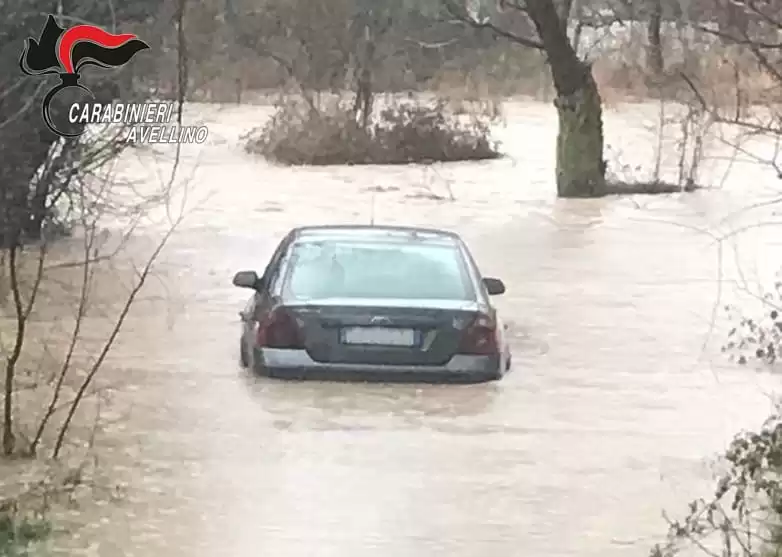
pixel 655 60
pixel 580 170
pixel 74 170
pixel 751 31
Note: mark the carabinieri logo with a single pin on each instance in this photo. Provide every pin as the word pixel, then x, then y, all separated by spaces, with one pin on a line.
pixel 66 52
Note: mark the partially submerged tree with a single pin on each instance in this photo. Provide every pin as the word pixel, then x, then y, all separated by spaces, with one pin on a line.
pixel 580 167
pixel 580 164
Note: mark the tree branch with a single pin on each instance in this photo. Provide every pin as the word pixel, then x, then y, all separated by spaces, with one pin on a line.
pixel 461 16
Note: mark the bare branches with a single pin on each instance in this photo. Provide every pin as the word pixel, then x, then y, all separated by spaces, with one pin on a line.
pixel 731 37
pixel 143 274
pixel 182 58
pixel 26 106
pixel 87 274
pixel 461 15
pixel 10 364
pixel 773 128
pixel 743 517
pixel 65 172
pixel 96 366
pixel 434 46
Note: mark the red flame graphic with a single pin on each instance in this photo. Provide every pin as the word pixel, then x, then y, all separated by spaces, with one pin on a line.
pixel 87 33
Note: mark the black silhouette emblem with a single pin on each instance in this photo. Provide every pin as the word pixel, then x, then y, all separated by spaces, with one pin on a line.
pixel 66 52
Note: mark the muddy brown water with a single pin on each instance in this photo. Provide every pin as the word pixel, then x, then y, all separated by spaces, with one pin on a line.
pixel 617 402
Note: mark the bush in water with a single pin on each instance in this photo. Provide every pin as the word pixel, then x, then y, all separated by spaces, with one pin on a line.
pixel 300 133
pixel 18 536
pixel 743 516
pixel 758 338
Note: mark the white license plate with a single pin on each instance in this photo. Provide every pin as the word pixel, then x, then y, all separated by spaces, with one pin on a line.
pixel 379 335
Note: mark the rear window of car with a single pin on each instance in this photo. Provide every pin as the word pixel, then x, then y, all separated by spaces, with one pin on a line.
pixel 385 270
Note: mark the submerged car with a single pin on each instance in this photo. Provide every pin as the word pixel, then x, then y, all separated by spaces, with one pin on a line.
pixel 373 303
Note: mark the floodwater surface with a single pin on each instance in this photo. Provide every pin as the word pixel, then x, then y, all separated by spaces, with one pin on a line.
pixel 618 400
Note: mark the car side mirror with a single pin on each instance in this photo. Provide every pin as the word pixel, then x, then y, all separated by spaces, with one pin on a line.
pixel 494 286
pixel 248 279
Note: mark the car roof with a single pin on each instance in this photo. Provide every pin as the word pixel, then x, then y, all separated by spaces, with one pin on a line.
pixel 373 232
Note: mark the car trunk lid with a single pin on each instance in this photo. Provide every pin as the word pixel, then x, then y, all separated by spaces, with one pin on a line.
pixel 376 332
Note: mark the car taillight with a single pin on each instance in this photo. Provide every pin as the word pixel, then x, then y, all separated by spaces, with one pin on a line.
pixel 279 330
pixel 480 337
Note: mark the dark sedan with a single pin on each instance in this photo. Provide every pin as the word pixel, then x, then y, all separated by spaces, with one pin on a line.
pixel 373 303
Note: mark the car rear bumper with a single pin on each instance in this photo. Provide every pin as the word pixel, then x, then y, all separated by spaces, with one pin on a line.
pixel 297 364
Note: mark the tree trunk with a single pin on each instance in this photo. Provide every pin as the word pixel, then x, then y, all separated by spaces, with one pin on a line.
pixel 580 164
pixel 366 85
pixel 9 440
pixel 362 104
pixel 655 63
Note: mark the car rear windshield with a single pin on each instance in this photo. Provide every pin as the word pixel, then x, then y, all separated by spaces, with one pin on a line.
pixel 386 270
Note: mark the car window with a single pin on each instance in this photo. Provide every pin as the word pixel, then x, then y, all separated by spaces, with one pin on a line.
pixel 272 272
pixel 331 269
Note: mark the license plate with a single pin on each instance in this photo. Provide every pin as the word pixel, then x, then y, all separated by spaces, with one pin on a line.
pixel 379 336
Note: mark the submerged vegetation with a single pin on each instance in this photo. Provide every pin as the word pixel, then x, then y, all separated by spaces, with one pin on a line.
pixel 402 133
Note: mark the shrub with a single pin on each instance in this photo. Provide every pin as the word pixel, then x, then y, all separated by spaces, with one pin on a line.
pixel 299 133
pixel 20 534
pixel 757 337
pixel 741 518
pixel 743 515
